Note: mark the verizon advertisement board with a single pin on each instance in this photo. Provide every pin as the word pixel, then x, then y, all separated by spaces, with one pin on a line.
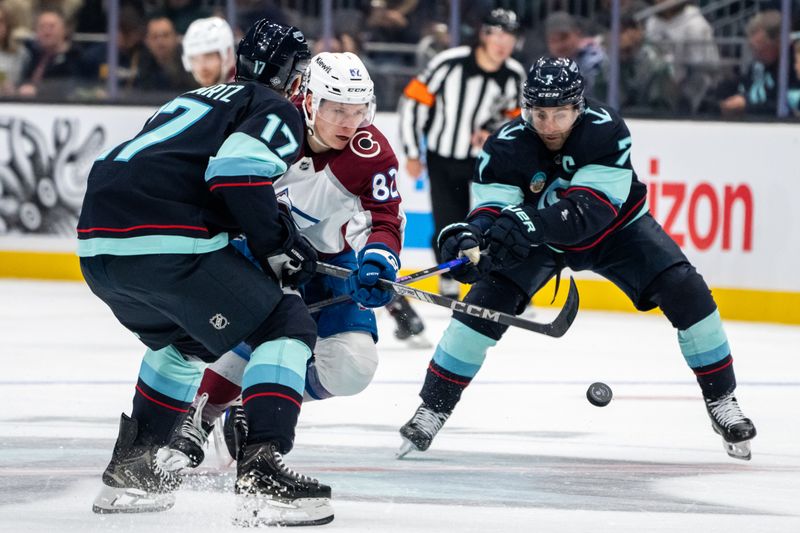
pixel 726 192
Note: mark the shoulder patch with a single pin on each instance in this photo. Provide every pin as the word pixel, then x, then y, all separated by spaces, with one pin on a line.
pixel 363 144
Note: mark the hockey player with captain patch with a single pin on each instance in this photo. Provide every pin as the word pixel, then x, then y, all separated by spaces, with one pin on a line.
pixel 556 188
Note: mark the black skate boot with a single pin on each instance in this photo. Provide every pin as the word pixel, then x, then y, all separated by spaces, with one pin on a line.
pixel 235 430
pixel 133 482
pixel 728 421
pixel 409 325
pixel 418 432
pixel 268 493
pixel 185 447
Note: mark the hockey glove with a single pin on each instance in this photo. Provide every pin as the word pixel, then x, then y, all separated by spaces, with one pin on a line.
pixel 513 235
pixel 296 261
pixel 374 262
pixel 463 238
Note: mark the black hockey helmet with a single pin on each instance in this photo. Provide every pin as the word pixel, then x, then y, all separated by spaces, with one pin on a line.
pixel 505 19
pixel 273 54
pixel 553 82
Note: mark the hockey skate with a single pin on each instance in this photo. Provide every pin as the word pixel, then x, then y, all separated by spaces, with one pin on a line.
pixel 133 482
pixel 418 432
pixel 268 493
pixel 409 325
pixel 185 447
pixel 234 430
pixel 728 421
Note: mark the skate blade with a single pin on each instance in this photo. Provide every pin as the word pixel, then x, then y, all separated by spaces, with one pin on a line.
pixel 128 500
pixel 254 510
pixel 738 450
pixel 171 460
pixel 405 448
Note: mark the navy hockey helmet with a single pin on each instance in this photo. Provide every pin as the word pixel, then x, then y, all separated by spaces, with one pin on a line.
pixel 553 82
pixel 505 19
pixel 273 54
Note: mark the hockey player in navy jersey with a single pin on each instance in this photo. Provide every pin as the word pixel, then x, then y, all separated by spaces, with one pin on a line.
pixel 154 246
pixel 341 194
pixel 556 188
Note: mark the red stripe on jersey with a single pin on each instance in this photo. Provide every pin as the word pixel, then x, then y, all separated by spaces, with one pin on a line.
pixel 633 210
pixel 593 193
pixel 248 184
pixel 144 226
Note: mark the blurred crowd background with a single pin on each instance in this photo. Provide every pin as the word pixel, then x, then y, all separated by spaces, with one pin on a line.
pixel 703 58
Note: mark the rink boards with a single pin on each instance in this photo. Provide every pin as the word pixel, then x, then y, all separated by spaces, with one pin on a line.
pixel 723 191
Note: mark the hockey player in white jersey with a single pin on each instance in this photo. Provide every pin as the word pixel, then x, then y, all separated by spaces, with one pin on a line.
pixel 341 194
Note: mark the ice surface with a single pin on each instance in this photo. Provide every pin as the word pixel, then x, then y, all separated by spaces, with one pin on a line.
pixel 524 451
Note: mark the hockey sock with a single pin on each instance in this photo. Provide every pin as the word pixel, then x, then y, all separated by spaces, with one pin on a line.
pixel 705 347
pixel 166 385
pixel 717 379
pixel 222 381
pixel 272 394
pixel 457 359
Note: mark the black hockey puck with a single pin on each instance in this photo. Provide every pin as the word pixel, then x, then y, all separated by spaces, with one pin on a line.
pixel 599 394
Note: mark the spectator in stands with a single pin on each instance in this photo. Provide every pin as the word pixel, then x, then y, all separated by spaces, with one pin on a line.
pixel 161 68
pixel 55 67
pixel 183 12
pixel 130 43
pixel 388 20
pixel 686 39
pixel 13 57
pixel 565 38
pixel 757 87
pixel 646 82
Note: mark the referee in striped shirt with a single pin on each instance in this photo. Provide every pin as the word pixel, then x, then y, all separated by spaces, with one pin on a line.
pixel 461 97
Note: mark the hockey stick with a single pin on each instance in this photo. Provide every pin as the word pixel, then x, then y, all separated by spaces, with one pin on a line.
pixel 556 328
pixel 416 276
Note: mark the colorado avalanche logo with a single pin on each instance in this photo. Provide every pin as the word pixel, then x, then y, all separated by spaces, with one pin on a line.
pixel 537 182
pixel 362 144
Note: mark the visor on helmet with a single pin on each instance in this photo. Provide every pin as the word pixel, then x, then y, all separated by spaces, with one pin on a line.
pixel 345 114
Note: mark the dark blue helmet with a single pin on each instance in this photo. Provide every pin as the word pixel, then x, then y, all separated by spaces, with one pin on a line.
pixel 505 19
pixel 553 82
pixel 272 54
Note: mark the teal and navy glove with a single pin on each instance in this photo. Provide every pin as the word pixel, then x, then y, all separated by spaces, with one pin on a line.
pixel 374 262
pixel 463 238
pixel 513 235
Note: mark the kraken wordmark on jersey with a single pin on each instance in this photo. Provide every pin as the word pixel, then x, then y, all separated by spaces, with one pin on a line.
pixel 515 167
pixel 346 198
pixel 242 136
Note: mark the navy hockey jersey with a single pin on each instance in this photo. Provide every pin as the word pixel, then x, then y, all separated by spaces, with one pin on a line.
pixel 582 192
pixel 201 167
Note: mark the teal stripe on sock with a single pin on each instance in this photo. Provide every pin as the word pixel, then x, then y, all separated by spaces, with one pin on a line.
pixel 275 374
pixel 287 357
pixel 705 342
pixel 167 372
pixel 462 350
pixel 451 364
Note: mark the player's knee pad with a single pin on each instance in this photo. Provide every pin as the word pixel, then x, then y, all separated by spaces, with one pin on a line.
pixel 344 364
pixel 291 319
pixel 682 295
pixel 493 292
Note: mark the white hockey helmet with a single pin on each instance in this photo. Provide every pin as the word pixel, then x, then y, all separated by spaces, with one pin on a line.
pixel 206 35
pixel 341 78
